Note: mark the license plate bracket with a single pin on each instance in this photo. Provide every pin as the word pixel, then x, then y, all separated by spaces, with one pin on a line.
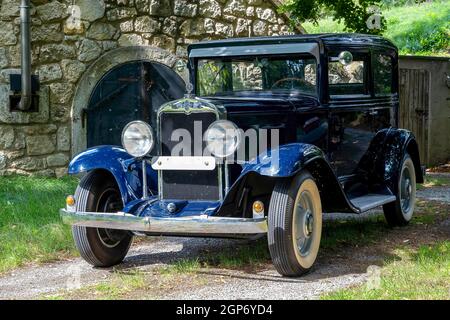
pixel 184 163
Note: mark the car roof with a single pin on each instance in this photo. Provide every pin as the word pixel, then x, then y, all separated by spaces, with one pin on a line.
pixel 326 39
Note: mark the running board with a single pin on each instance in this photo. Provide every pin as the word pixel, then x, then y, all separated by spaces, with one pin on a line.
pixel 371 201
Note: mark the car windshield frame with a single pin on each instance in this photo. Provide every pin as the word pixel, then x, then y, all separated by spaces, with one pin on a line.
pixel 305 56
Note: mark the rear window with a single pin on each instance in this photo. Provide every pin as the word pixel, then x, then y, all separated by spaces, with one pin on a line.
pixel 382 74
pixel 348 79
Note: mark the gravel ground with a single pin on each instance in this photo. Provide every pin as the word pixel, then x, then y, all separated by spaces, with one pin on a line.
pixel 436 193
pixel 36 281
pixel 329 274
pixel 268 284
pixel 39 281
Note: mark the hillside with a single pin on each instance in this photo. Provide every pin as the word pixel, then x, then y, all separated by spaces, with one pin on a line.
pixel 420 29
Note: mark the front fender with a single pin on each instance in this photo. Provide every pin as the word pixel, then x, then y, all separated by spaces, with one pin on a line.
pixel 257 179
pixel 126 170
pixel 284 161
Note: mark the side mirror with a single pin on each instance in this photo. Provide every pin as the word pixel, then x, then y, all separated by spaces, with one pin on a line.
pixel 345 58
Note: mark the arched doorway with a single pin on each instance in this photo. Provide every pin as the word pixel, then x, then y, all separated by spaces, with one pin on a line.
pixel 130 91
pixel 100 69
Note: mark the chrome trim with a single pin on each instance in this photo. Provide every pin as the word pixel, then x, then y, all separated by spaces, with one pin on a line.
pixel 227 177
pixel 144 180
pixel 256 50
pixel 183 225
pixel 188 105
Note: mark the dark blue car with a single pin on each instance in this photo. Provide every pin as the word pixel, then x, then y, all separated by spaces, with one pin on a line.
pixel 272 133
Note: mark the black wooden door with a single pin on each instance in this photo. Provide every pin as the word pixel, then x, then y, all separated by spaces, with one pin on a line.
pixel 131 91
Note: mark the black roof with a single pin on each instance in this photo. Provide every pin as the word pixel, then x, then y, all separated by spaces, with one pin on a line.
pixel 323 38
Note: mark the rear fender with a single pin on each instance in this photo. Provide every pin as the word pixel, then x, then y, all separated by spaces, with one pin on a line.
pixel 123 167
pixel 382 162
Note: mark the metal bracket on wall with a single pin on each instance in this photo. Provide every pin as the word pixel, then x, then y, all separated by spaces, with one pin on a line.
pixel 15 81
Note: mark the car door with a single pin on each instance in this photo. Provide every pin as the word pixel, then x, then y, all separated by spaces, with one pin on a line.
pixel 351 111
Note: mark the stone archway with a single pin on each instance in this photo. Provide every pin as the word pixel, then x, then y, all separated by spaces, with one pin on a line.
pixel 95 73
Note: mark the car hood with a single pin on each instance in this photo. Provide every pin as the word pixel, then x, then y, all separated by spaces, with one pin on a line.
pixel 258 103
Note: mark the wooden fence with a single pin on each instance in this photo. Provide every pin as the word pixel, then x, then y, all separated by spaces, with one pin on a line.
pixel 425 105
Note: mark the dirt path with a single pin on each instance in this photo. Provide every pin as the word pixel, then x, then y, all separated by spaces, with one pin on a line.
pixel 38 281
pixel 436 193
pixel 334 269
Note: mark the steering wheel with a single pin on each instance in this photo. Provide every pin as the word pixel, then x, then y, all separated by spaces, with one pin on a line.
pixel 302 82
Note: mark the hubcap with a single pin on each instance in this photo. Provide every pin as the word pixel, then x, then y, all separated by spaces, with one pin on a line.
pixel 110 201
pixel 405 190
pixel 309 223
pixel 304 223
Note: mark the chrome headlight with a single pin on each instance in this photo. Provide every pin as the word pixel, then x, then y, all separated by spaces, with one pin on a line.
pixel 137 138
pixel 223 138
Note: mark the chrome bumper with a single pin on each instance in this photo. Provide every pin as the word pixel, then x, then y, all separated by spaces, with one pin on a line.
pixel 184 225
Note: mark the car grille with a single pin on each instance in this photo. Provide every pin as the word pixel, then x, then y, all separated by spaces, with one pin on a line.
pixel 187 185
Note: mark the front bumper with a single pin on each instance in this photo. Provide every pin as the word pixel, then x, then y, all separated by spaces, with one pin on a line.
pixel 193 225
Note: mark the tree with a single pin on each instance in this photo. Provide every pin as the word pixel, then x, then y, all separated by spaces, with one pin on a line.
pixel 361 16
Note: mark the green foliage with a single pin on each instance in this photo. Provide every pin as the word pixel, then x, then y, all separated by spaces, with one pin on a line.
pixel 213 77
pixel 419 29
pixel 399 3
pixel 353 14
pixel 30 227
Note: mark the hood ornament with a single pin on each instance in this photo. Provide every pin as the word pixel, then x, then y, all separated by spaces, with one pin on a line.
pixel 189 89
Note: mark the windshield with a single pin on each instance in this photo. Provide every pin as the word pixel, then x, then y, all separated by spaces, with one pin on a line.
pixel 231 76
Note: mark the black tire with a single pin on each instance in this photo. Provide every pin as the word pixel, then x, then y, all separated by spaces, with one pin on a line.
pixel 98 192
pixel 287 256
pixel 400 212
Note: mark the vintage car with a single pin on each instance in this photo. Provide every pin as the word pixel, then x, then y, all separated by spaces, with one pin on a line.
pixel 273 132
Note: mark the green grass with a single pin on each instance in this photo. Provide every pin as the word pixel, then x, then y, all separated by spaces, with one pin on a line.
pixel 248 256
pixel 434 181
pixel 182 266
pixel 420 274
pixel 352 232
pixel 30 227
pixel 420 29
pixel 119 286
pixel 252 255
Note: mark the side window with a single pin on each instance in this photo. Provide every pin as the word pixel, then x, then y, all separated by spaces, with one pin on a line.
pixel 382 74
pixel 348 79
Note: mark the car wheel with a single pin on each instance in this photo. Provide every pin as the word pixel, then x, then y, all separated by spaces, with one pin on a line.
pixel 98 192
pixel 400 212
pixel 295 225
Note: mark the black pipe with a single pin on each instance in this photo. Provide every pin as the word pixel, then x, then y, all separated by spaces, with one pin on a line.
pixel 25 43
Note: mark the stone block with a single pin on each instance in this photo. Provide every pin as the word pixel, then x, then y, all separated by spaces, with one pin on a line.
pixel 40 144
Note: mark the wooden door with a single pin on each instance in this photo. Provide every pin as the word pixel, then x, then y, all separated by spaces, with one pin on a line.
pixel 415 106
pixel 131 91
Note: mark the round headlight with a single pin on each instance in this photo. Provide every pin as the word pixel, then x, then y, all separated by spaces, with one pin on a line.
pixel 137 138
pixel 223 138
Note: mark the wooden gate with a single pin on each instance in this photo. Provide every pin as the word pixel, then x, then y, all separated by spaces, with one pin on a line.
pixel 415 106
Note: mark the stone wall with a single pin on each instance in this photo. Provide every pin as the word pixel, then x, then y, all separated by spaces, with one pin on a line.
pixel 67 39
